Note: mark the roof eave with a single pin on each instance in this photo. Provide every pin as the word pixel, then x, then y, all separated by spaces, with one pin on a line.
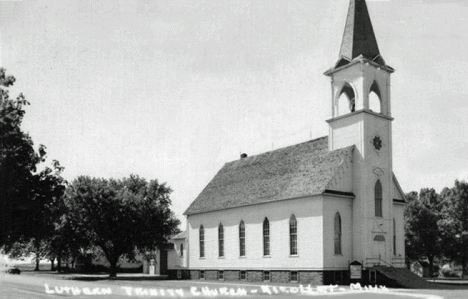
pixel 251 204
pixel 357 60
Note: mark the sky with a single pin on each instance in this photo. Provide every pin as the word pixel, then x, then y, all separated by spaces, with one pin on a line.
pixel 172 90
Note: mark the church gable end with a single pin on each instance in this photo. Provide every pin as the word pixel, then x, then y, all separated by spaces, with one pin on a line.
pixel 343 178
pixel 397 192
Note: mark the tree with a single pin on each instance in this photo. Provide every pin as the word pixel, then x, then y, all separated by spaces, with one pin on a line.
pixel 27 198
pixel 422 234
pixel 121 217
pixel 18 161
pixel 454 223
pixel 46 208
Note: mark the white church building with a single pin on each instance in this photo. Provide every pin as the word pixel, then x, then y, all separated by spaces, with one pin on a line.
pixel 304 213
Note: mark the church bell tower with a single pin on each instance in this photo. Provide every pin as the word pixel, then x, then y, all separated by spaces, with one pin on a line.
pixel 361 116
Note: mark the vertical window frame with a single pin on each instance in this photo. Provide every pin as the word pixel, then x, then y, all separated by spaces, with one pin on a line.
pixel 220 240
pixel 337 233
pixel 201 236
pixel 242 239
pixel 266 237
pixel 394 238
pixel 266 276
pixel 378 199
pixel 293 235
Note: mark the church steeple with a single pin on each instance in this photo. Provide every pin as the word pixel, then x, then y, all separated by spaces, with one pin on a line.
pixel 358 39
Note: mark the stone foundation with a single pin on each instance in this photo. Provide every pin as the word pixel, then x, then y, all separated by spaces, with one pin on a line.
pixel 278 276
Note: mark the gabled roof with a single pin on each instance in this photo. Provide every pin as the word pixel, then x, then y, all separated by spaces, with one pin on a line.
pixel 182 235
pixel 296 171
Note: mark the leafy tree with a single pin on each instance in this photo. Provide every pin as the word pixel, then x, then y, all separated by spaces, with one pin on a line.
pixel 422 234
pixel 454 223
pixel 18 161
pixel 121 216
pixel 27 198
pixel 46 203
pixel 411 249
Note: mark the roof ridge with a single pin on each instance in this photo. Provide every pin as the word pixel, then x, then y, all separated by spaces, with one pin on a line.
pixel 279 149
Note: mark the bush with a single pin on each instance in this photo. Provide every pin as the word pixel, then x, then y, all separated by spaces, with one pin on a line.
pixel 447 272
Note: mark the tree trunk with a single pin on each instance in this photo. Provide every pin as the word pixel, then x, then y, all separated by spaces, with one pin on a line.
pixel 37 262
pixel 59 263
pixel 38 256
pixel 463 266
pixel 52 264
pixel 431 265
pixel 113 268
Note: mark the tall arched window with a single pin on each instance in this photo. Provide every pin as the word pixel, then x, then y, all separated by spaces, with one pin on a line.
pixel 292 235
pixel 378 199
pixel 266 237
pixel 394 237
pixel 242 238
pixel 181 249
pixel 337 233
pixel 202 241
pixel 221 240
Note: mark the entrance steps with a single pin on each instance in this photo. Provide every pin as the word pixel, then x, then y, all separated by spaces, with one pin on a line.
pixel 402 277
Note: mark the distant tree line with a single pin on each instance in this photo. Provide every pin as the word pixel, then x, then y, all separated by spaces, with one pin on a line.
pixel 42 214
pixel 436 225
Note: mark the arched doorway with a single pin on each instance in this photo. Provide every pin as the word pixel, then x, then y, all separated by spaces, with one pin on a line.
pixel 379 247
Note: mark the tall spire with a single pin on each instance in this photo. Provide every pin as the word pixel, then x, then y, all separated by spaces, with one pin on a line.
pixel 358 38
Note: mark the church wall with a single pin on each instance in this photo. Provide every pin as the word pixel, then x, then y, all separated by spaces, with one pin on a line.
pixel 174 257
pixel 346 132
pixel 398 214
pixel 332 205
pixel 310 230
pixel 378 166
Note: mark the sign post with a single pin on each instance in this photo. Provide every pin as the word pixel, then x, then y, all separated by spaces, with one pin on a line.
pixel 355 272
pixel 151 267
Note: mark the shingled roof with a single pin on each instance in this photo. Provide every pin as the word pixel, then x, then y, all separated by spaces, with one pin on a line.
pixel 296 171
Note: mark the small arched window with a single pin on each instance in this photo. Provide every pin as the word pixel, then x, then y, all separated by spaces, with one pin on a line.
pixel 242 238
pixel 375 103
pixel 266 237
pixel 346 100
pixel 221 240
pixel 337 226
pixel 378 199
pixel 202 241
pixel 292 235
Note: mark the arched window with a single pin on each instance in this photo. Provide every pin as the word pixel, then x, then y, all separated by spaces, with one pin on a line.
pixel 181 249
pixel 292 235
pixel 202 241
pixel 242 238
pixel 394 237
pixel 266 237
pixel 378 199
pixel 375 103
pixel 346 100
pixel 221 240
pixel 337 233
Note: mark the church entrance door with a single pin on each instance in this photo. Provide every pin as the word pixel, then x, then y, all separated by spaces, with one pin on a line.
pixel 379 247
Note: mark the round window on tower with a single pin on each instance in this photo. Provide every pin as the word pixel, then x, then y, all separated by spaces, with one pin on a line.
pixel 377 142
